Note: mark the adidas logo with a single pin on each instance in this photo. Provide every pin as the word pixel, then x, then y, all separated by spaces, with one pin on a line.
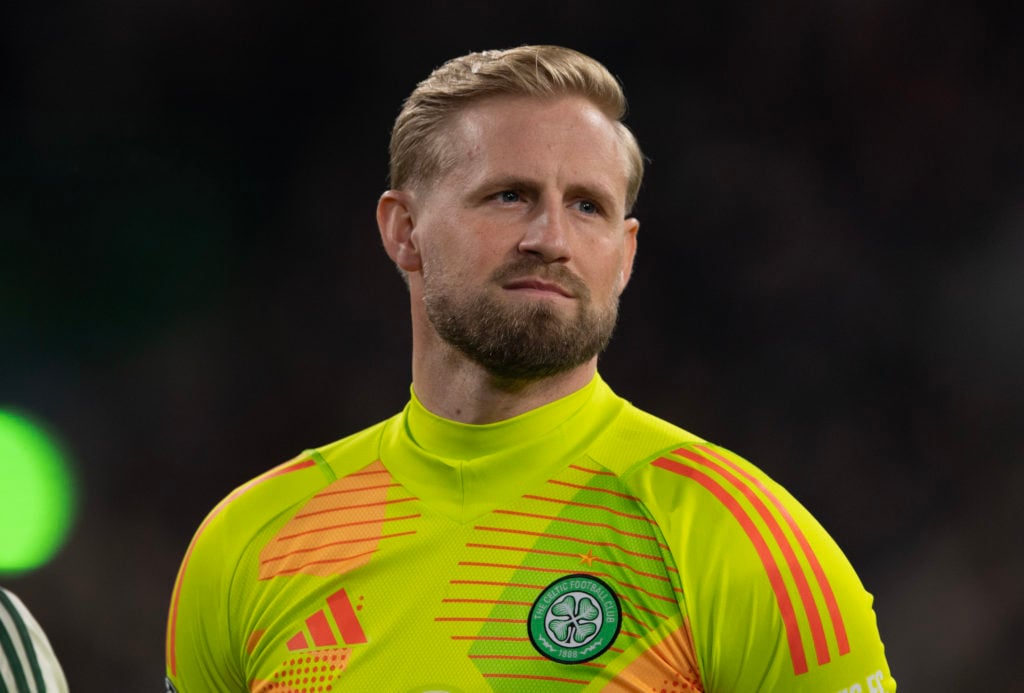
pixel 324 627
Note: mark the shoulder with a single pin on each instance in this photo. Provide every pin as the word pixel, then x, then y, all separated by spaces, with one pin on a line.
pixel 30 658
pixel 634 437
pixel 676 472
pixel 15 618
pixel 222 562
pixel 756 548
pixel 770 595
pixel 352 453
pixel 242 514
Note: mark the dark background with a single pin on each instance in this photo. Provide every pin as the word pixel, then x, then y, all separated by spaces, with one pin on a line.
pixel 830 278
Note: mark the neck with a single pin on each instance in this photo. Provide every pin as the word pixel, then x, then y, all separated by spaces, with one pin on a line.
pixel 451 386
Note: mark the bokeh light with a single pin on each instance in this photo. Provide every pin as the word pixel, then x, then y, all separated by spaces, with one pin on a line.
pixel 37 494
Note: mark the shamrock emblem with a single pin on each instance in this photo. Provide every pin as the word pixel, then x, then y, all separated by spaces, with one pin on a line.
pixel 573 622
pixel 575 619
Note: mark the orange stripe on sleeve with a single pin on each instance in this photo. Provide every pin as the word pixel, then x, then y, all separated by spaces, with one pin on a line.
pixel 796 648
pixel 838 625
pixel 795 569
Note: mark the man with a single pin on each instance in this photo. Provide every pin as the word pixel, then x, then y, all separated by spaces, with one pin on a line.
pixel 518 527
pixel 27 661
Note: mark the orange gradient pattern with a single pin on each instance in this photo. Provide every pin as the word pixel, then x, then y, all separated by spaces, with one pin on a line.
pixel 338 530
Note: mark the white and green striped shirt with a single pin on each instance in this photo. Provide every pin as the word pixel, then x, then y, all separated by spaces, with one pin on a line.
pixel 27 661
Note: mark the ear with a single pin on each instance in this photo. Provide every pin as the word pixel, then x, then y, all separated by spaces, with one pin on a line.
pixel 631 226
pixel 396 221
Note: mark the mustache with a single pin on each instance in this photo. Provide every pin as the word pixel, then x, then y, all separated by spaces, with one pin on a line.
pixel 534 267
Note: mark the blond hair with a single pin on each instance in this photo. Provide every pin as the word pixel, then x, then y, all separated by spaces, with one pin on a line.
pixel 419 151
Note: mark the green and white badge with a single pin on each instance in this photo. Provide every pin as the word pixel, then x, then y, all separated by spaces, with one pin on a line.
pixel 575 619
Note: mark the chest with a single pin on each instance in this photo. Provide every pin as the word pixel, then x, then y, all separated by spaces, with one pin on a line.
pixel 570 585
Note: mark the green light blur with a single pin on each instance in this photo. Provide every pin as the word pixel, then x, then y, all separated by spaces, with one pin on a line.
pixel 36 495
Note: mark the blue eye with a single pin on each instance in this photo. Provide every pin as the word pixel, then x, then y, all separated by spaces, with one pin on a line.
pixel 588 207
pixel 508 196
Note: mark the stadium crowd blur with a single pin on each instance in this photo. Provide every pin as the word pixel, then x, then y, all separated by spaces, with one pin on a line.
pixel 830 278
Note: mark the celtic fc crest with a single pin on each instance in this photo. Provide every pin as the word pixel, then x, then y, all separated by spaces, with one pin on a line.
pixel 575 619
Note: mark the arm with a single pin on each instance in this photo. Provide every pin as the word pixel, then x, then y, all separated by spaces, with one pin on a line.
pixel 216 594
pixel 199 646
pixel 773 602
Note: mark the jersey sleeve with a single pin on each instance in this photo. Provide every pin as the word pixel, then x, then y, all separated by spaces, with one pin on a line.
pixel 206 645
pixel 27 661
pixel 199 645
pixel 773 603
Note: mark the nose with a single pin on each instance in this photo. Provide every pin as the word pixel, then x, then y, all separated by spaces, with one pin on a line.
pixel 546 235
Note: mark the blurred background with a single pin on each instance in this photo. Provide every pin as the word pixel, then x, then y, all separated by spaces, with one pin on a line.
pixel 830 279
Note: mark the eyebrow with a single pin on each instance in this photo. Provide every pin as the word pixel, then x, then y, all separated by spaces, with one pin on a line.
pixel 506 182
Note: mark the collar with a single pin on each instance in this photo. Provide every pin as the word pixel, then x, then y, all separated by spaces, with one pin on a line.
pixel 465 470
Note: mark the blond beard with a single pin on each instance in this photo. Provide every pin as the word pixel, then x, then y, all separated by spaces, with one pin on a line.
pixel 521 342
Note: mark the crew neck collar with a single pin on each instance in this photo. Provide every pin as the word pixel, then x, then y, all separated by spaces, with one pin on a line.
pixel 465 470
pixel 463 441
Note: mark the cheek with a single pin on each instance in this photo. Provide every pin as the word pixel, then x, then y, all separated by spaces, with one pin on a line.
pixel 447 263
pixel 610 275
pixel 476 253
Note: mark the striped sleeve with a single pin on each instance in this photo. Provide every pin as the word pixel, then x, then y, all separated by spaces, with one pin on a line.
pixel 774 603
pixel 27 661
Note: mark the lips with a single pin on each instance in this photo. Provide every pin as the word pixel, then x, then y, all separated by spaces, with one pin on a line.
pixel 535 284
pixel 530 275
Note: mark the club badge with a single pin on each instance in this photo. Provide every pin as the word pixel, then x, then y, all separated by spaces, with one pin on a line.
pixel 575 619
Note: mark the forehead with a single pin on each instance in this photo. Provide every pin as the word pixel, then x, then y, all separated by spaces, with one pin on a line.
pixel 565 136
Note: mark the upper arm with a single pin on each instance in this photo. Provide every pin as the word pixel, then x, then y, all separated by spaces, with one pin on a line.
pixel 206 648
pixel 773 602
pixel 199 647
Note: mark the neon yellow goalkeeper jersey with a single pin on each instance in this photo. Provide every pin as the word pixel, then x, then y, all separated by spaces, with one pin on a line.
pixel 583 546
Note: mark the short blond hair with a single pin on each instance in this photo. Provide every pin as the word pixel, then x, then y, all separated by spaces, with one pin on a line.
pixel 419 151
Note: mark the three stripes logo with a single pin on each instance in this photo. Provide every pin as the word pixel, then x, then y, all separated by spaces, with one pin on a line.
pixel 775 535
pixel 334 625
